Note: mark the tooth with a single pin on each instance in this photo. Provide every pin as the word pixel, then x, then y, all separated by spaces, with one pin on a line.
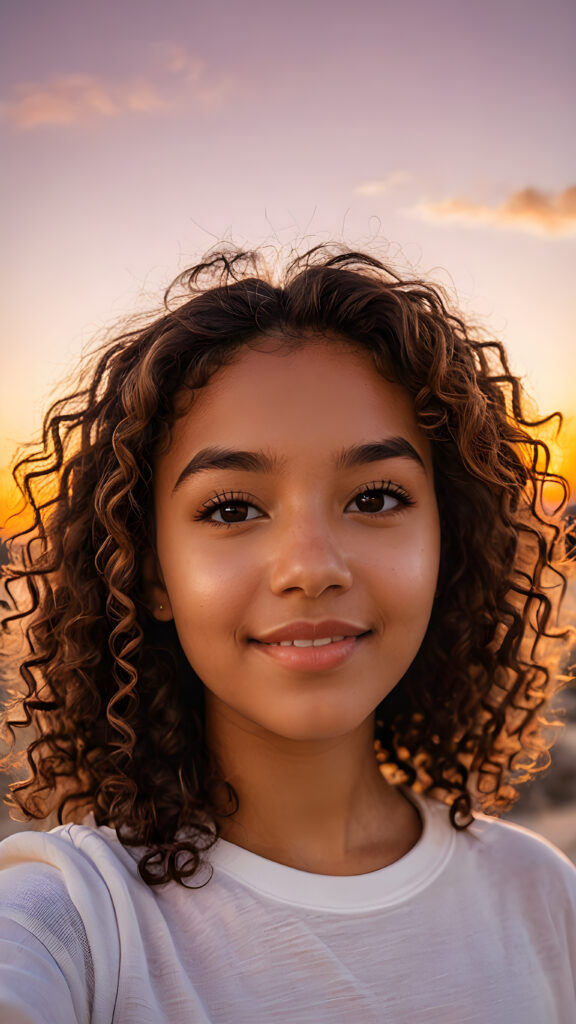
pixel 321 642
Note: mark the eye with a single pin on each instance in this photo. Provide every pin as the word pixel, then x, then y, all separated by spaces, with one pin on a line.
pixel 230 507
pixel 378 498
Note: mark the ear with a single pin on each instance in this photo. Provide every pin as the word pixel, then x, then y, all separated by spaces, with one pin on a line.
pixel 155 589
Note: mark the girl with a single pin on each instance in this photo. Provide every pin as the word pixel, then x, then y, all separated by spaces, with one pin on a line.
pixel 285 597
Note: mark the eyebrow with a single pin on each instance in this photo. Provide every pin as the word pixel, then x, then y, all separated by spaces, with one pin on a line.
pixel 263 462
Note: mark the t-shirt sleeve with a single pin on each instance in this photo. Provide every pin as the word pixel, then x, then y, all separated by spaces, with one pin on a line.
pixel 59 950
pixel 45 958
pixel 33 988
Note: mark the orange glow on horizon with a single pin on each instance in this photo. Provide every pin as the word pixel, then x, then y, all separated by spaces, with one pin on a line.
pixel 14 516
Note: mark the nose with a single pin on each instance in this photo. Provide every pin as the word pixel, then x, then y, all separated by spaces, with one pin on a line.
pixel 308 557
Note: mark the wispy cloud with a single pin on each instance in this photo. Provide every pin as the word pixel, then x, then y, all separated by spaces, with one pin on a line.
pixel 70 99
pixel 382 185
pixel 178 61
pixel 527 209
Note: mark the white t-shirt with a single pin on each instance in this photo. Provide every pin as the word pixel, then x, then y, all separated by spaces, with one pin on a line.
pixel 473 927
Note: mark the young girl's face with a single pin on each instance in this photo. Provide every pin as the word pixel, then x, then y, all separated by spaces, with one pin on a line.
pixel 311 529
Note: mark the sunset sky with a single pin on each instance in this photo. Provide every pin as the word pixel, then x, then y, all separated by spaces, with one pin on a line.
pixel 137 134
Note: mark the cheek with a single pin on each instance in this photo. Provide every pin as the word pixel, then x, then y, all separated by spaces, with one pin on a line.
pixel 220 574
pixel 210 588
pixel 408 575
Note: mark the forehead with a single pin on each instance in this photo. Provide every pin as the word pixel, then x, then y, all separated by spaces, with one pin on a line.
pixel 323 394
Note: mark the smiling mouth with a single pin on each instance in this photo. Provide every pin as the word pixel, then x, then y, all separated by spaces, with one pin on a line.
pixel 319 642
pixel 322 641
pixel 311 656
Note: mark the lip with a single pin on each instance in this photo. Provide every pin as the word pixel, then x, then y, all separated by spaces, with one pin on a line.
pixel 312 659
pixel 311 631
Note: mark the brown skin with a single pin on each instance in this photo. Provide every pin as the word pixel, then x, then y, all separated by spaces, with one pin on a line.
pixel 298 745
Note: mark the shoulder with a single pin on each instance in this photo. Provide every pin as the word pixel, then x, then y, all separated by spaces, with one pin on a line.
pixel 81 853
pixel 503 879
pixel 73 873
pixel 500 855
pixel 84 867
pixel 519 865
pixel 50 875
pixel 504 840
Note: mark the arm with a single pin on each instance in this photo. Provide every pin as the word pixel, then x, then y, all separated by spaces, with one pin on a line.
pixel 33 987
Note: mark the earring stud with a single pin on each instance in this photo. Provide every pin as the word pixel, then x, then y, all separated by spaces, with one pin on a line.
pixel 161 607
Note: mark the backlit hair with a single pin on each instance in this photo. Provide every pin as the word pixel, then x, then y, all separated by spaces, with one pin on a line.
pixel 113 709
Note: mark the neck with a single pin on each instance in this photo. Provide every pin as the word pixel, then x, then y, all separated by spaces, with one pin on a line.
pixel 318 805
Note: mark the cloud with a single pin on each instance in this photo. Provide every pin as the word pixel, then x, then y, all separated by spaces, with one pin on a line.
pixel 179 62
pixel 379 187
pixel 527 209
pixel 143 97
pixel 74 99
pixel 69 99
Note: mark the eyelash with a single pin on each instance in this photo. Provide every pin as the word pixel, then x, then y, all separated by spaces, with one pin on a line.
pixel 220 501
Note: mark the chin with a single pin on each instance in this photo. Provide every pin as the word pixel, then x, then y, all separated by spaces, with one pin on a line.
pixel 325 725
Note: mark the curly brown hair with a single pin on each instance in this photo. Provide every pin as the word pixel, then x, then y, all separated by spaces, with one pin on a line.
pixel 115 708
